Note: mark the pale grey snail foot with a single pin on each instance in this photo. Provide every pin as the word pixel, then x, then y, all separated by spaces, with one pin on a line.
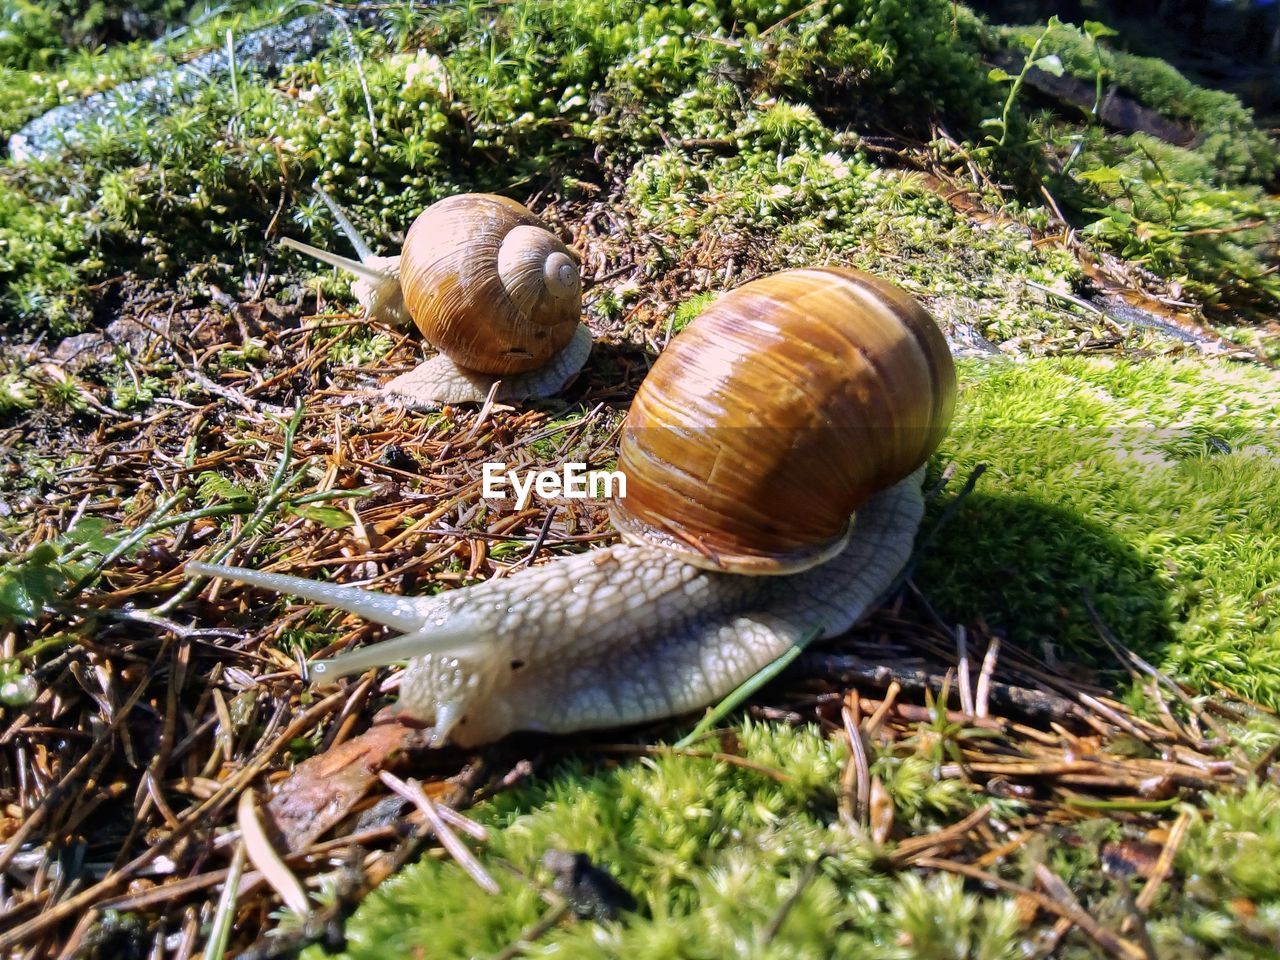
pixel 440 381
pixel 615 636
pixel 630 634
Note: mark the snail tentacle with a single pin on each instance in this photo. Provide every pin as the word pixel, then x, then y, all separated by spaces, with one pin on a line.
pixel 356 238
pixel 373 273
pixel 399 613
pixel 611 637
pixel 377 281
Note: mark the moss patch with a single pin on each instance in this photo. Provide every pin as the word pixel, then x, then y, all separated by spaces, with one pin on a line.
pixel 711 851
pixel 747 116
pixel 1150 484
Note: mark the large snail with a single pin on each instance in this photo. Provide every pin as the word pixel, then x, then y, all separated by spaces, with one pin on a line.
pixel 790 403
pixel 490 287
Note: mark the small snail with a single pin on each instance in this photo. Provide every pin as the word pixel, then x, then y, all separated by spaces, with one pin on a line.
pixel 790 403
pixel 490 287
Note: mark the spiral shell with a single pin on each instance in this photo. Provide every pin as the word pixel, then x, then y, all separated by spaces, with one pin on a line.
pixel 766 423
pixel 489 285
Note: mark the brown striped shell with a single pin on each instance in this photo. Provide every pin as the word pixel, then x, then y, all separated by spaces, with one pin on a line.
pixel 768 421
pixel 489 285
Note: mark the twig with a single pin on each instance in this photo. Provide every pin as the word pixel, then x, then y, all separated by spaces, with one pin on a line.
pixel 962 671
pixel 485 409
pixel 1024 701
pixel 1164 863
pixel 1135 662
pixel 912 848
pixel 263 855
pixel 534 932
pixel 412 791
pixel 983 695
pixel 858 769
pixel 1112 943
pixel 784 909
pixel 872 724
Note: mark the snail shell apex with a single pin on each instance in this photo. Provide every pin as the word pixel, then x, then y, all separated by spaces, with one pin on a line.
pixel 489 285
pixel 773 416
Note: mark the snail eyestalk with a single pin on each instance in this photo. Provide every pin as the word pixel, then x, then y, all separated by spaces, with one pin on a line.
pixel 376 285
pixel 357 267
pixel 423 633
pixel 412 646
pixel 361 245
pixel 399 613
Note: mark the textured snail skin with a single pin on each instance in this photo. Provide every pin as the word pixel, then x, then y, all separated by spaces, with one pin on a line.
pixel 616 636
pixel 439 380
pixel 382 297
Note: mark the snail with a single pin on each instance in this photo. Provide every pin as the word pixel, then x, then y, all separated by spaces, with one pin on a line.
pixel 490 287
pixel 774 458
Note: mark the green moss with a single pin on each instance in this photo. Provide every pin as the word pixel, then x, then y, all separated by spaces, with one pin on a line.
pixel 685 313
pixel 359 346
pixel 1150 485
pixel 711 852
pixel 463 97
pixel 1199 215
pixel 793 192
pixel 493 102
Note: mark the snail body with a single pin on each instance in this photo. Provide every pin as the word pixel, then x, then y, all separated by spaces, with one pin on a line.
pixel 699 597
pixel 488 285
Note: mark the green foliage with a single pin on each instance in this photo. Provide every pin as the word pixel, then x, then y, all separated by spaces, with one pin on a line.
pixel 215 488
pixel 820 200
pixel 133 392
pixel 1229 139
pixel 1150 485
pixel 359 347
pixel 467 97
pixel 1198 214
pixel 711 851
pixel 1049 63
pixel 16 393
pixel 37 35
pixel 34 579
pixel 936 918
pixel 686 312
pixel 330 517
pixel 493 101
pixel 1164 207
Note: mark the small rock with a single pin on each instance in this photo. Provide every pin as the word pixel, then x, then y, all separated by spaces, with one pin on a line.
pixel 129 334
pixel 591 891
pixel 77 353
